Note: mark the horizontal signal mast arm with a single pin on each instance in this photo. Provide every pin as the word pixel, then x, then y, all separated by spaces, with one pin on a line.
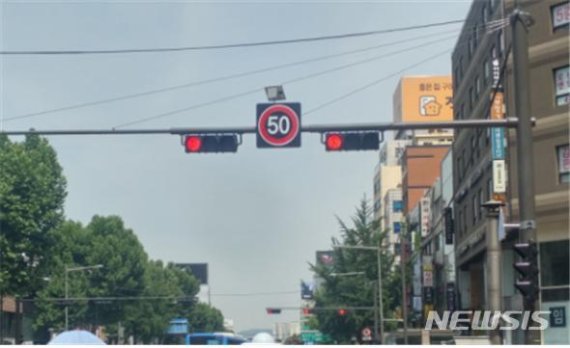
pixel 510 122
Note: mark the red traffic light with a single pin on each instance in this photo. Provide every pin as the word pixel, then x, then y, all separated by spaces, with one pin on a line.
pixel 342 312
pixel 273 310
pixel 193 143
pixel 307 311
pixel 334 141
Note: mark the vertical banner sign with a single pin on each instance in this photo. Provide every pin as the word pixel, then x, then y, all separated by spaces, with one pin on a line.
pixel 428 272
pixel 499 177
pixel 498 142
pixel 450 295
pixel 425 215
pixel 449 228
pixel 307 290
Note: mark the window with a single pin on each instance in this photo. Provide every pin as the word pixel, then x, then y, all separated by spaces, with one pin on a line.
pixel 484 14
pixel 477 86
pixel 397 206
pixel 459 223
pixel 501 43
pixel 459 168
pixel 474 152
pixel 562 85
pixel 554 262
pixel 560 15
pixel 376 186
pixel 563 152
pixel 481 202
pixel 490 188
pixel 465 217
pixel 471 99
pixel 486 71
pixel 397 248
pixel 397 227
pixel 377 205
pixel 493 52
pixel 475 209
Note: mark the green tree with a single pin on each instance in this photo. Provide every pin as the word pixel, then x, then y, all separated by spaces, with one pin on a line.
pixel 205 318
pixel 355 291
pixel 32 193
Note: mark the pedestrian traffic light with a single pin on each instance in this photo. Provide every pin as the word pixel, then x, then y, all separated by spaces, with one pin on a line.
pixel 527 268
pixel 352 141
pixel 273 310
pixel 196 143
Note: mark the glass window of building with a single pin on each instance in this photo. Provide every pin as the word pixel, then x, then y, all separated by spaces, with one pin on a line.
pixel 398 206
pixel 397 227
pixel 560 14
pixel 554 262
pixel 475 208
pixel 563 152
pixel 501 43
pixel 484 14
pixel 562 85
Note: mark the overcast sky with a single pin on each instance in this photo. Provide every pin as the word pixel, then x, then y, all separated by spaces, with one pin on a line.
pixel 258 216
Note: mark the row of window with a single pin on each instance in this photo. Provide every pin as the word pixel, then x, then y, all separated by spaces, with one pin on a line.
pixel 477 199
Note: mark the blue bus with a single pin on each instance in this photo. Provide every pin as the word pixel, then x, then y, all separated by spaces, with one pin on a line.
pixel 215 338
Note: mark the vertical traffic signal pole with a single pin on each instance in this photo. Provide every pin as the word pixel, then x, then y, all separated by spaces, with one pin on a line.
pixel 494 264
pixel 525 167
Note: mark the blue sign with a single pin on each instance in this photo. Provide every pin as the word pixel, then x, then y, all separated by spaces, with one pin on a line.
pixel 498 143
pixel 557 317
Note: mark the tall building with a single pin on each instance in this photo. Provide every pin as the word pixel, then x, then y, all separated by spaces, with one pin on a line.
pixel 472 66
pixel 388 176
pixel 421 167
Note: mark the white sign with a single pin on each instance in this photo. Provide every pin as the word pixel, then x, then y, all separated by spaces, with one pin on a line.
pixel 499 176
pixel 425 215
pixel 560 15
pixel 563 159
pixel 366 334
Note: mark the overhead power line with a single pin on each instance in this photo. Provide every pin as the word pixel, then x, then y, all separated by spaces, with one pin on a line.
pixel 234 45
pixel 288 82
pixel 220 78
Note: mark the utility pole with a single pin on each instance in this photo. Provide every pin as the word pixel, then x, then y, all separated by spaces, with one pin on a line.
pixel 380 297
pixel 494 264
pixel 403 262
pixel 520 21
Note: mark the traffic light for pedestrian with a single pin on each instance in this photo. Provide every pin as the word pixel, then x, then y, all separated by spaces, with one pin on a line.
pixel 197 143
pixel 527 269
pixel 273 310
pixel 352 141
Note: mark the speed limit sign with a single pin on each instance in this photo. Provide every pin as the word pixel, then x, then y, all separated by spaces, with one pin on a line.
pixel 279 125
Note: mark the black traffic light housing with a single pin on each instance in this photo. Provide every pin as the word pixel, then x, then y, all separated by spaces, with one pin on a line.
pixel 204 143
pixel 527 269
pixel 273 310
pixel 352 141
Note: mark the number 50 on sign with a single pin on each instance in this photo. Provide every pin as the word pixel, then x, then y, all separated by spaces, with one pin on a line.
pixel 279 125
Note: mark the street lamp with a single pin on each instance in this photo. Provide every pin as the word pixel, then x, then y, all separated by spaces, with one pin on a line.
pixel 380 295
pixel 275 93
pixel 73 269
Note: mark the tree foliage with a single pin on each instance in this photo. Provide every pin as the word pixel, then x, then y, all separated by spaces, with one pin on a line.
pixel 32 193
pixel 357 290
pixel 39 249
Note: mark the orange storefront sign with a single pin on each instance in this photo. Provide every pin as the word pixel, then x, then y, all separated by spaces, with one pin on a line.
pixel 424 99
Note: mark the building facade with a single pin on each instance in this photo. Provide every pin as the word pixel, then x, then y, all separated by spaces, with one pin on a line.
pixel 473 179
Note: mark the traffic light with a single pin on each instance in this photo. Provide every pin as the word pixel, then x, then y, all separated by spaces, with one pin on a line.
pixel 527 268
pixel 342 312
pixel 307 311
pixel 273 311
pixel 352 141
pixel 196 143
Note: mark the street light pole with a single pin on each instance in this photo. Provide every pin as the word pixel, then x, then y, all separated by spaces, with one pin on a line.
pixel 380 295
pixel 67 270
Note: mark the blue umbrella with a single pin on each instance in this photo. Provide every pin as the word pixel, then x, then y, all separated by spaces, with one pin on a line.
pixel 76 337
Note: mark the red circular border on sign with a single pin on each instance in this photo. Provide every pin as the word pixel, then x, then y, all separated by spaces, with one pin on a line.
pixel 290 113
